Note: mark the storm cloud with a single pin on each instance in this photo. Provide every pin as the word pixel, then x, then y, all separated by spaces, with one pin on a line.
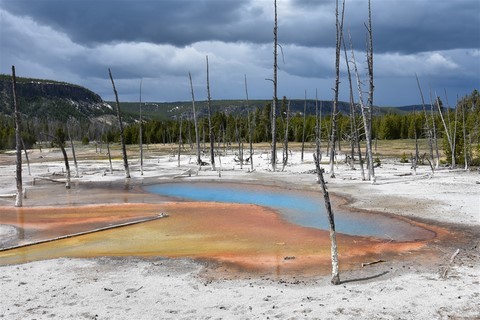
pixel 161 41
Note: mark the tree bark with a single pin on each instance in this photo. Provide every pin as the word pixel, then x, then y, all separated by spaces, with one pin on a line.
pixel 331 221
pixel 18 141
pixel 120 124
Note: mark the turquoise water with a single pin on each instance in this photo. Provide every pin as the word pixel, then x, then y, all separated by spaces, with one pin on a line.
pixel 305 208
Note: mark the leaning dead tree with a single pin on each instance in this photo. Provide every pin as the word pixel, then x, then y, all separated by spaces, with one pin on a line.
pixel 339 35
pixel 18 141
pixel 210 126
pixel 59 139
pixel 120 125
pixel 195 122
pixel 331 221
pixel 75 163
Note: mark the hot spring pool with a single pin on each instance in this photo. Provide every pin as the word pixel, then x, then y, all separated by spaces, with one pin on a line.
pixel 305 208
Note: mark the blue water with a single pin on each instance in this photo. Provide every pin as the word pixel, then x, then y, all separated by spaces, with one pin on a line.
pixel 301 208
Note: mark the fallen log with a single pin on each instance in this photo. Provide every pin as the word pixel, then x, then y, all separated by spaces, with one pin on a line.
pixel 371 263
pixel 159 216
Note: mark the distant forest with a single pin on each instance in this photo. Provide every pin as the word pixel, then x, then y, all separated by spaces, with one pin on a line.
pixel 232 127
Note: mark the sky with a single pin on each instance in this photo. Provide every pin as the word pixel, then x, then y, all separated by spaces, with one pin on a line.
pixel 156 43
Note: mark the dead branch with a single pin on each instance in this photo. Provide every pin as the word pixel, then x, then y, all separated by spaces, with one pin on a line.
pixel 372 263
pixel 447 267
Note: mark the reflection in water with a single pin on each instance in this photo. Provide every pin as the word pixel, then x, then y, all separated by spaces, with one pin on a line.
pixel 302 208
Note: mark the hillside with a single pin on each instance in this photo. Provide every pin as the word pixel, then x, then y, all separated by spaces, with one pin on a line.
pixel 51 99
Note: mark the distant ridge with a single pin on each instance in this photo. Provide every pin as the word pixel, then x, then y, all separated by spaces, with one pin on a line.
pixel 54 100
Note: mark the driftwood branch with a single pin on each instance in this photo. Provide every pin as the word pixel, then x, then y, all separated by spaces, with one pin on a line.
pixel 447 268
pixel 372 263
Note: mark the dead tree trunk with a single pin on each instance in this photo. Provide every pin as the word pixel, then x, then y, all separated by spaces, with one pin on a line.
pixel 366 120
pixel 447 132
pixel 465 149
pixel 285 160
pixel 140 138
pixel 339 33
pixel 18 142
pixel 210 126
pixel 250 126
pixel 67 165
pixel 318 128
pixel 120 125
pixel 26 157
pixel 195 122
pixel 371 168
pixel 427 125
pixel 304 123
pixel 73 151
pixel 274 102
pixel 331 221
pixel 180 140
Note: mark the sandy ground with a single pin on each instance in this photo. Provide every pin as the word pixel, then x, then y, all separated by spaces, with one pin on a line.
pixel 415 285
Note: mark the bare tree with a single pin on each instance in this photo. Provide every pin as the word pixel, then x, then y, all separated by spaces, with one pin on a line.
pixel 26 157
pixel 250 126
pixel 73 149
pixel 339 35
pixel 120 125
pixel 274 101
pixel 465 149
pixel 366 111
pixel 285 160
pixel 180 142
pixel 355 141
pixel 368 137
pixel 304 123
pixel 18 141
pixel 210 126
pixel 195 122
pixel 331 221
pixel 318 128
pixel 427 123
pixel 140 138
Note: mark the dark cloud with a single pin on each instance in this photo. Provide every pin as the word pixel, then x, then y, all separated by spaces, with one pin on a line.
pixel 399 26
pixel 177 22
pixel 78 40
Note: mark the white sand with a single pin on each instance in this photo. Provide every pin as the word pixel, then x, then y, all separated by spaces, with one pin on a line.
pixel 181 289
